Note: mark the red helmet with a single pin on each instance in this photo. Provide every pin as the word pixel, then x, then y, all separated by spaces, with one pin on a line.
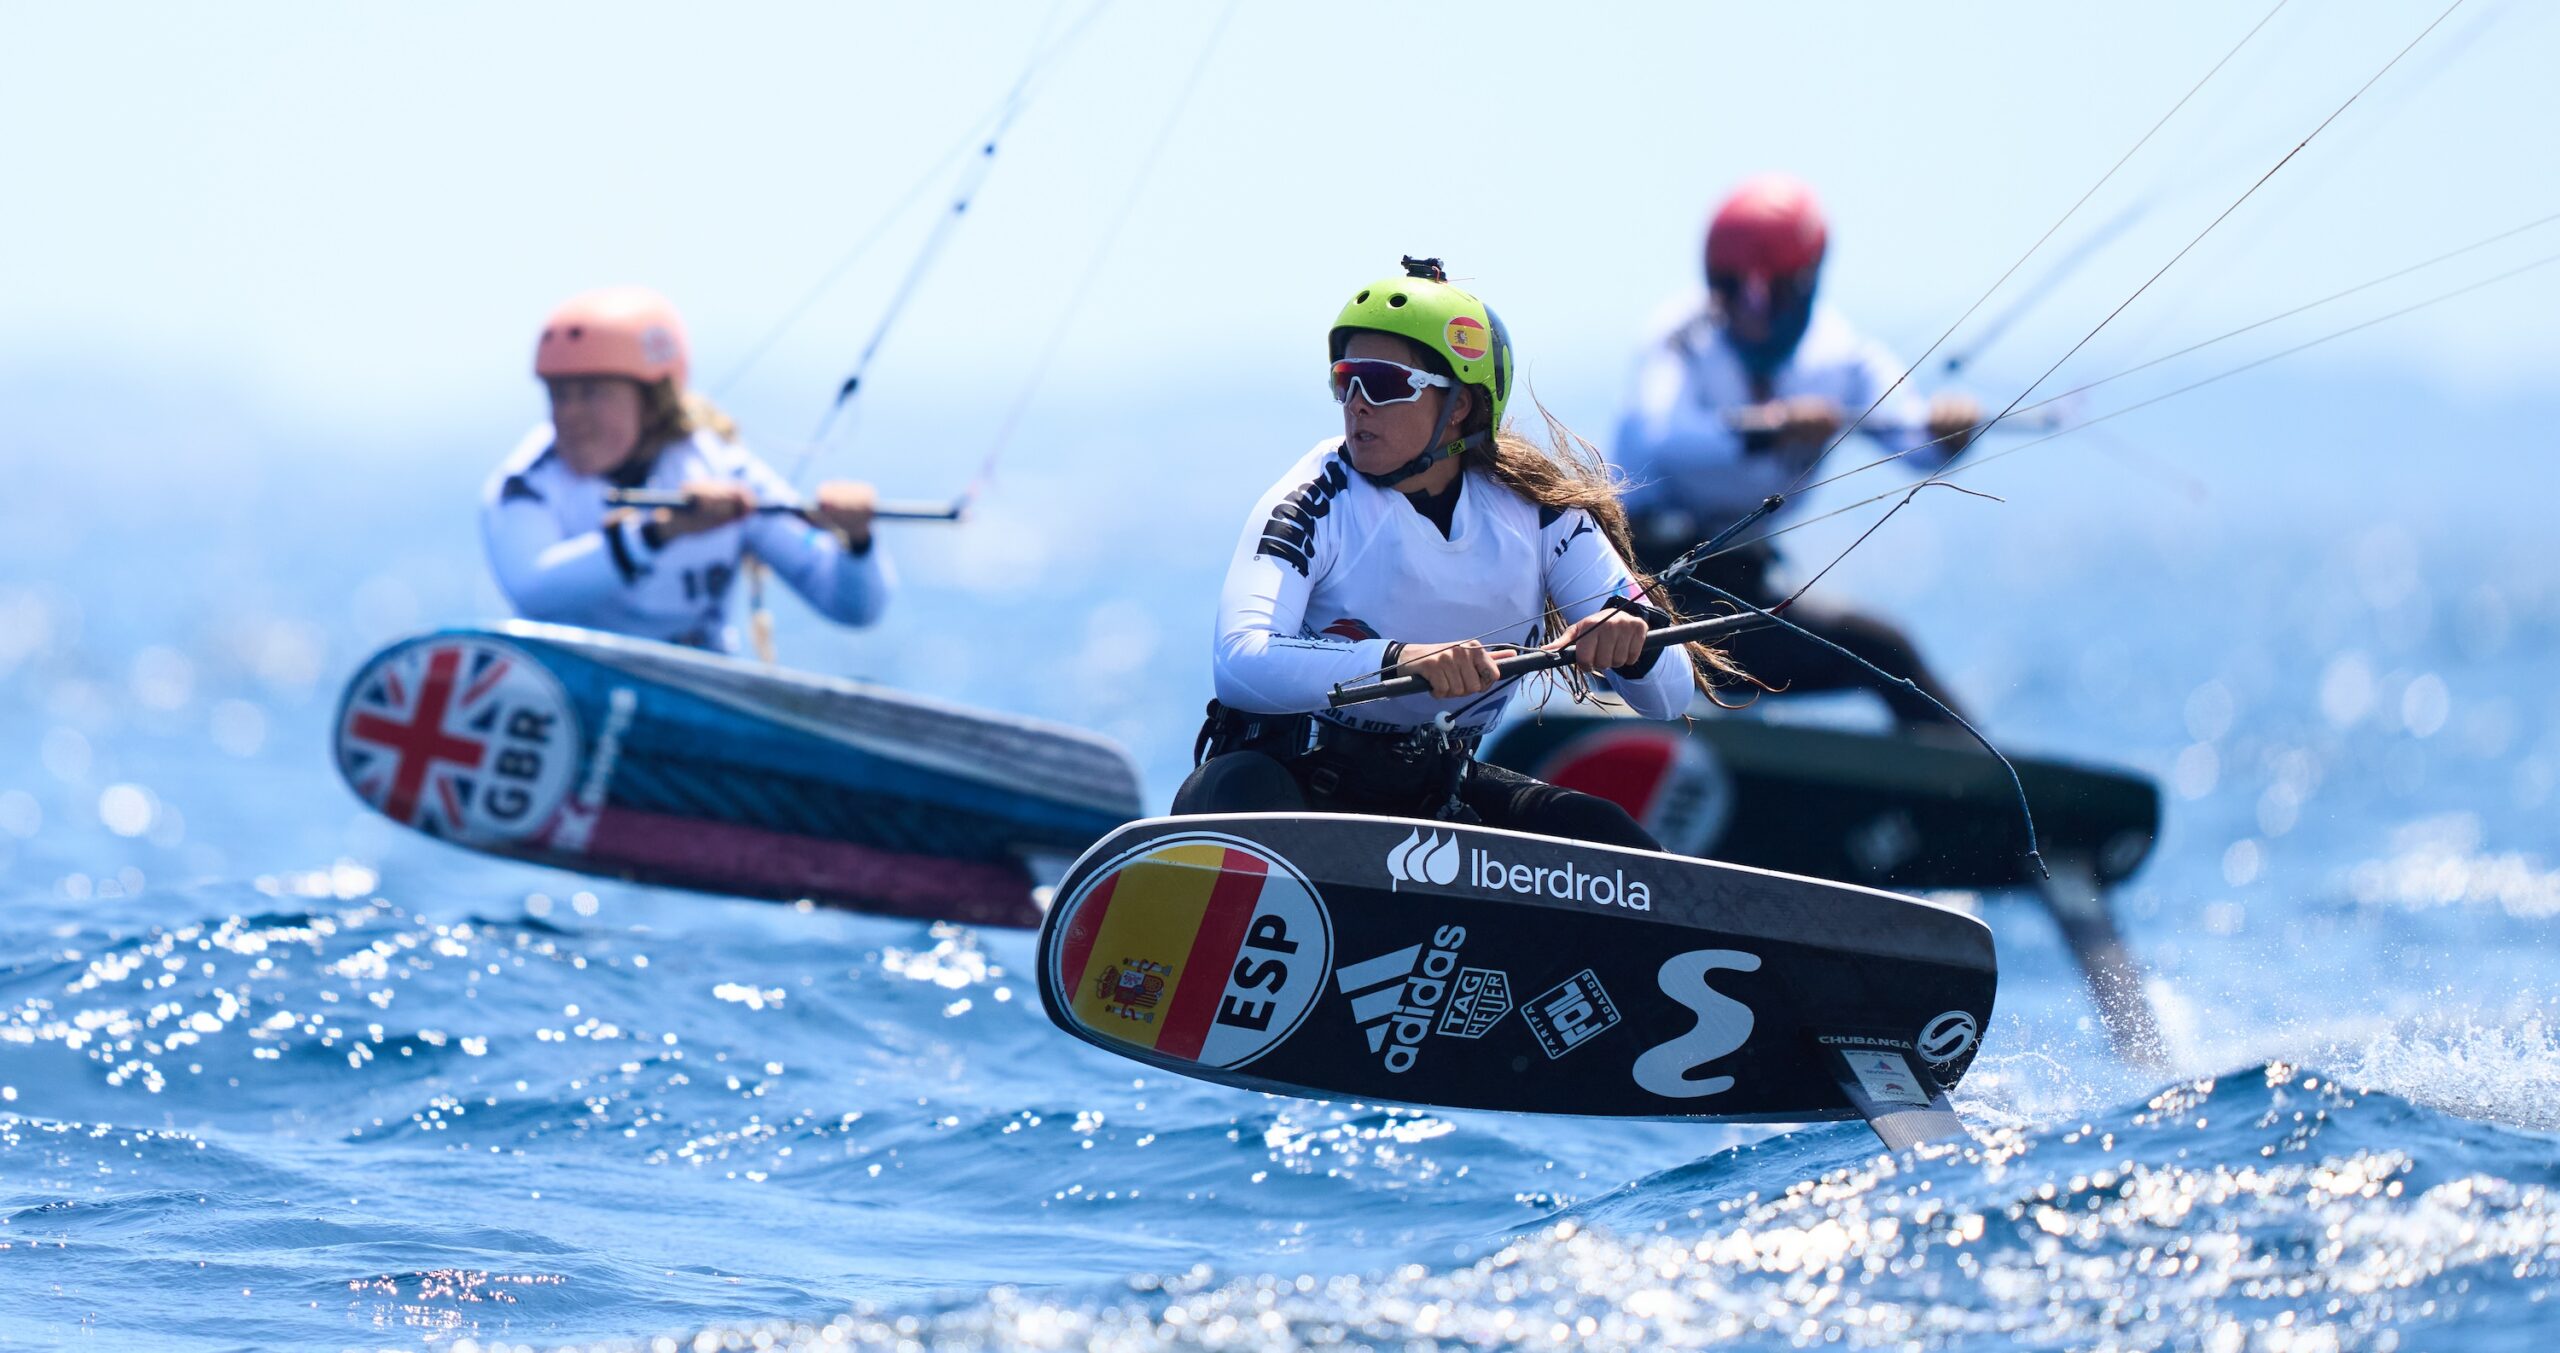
pixel 1771 227
pixel 614 331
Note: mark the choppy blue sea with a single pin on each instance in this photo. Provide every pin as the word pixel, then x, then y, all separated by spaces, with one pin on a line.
pixel 274 1074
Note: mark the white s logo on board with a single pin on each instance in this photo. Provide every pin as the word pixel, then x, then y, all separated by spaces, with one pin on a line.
pixel 1724 1025
pixel 1946 1038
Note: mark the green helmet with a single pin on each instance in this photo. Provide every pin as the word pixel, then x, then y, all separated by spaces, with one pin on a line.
pixel 1423 307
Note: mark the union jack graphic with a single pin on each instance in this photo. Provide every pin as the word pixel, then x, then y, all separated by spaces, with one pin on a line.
pixel 417 731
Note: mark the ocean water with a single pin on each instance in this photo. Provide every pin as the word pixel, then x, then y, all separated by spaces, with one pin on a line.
pixel 275 1074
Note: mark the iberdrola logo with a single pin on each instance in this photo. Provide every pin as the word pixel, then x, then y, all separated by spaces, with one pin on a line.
pixel 1423 857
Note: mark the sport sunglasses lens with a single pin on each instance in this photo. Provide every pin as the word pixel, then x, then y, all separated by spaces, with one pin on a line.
pixel 1781 284
pixel 1379 382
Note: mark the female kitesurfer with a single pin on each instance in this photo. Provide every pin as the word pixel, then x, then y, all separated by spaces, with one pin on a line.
pixel 1427 540
pixel 1735 399
pixel 614 362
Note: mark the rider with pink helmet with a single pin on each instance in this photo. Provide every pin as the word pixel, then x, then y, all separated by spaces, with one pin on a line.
pixel 614 362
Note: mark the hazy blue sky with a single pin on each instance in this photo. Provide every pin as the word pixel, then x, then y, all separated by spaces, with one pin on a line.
pixel 270 276
pixel 360 212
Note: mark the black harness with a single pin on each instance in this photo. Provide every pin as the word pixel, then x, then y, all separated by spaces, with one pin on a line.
pixel 1416 773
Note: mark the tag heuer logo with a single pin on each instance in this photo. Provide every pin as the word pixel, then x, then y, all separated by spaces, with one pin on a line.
pixel 1478 999
pixel 1571 1013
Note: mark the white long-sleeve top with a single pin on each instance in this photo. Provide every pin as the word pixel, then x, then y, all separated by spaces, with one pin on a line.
pixel 1681 455
pixel 556 561
pixel 1331 569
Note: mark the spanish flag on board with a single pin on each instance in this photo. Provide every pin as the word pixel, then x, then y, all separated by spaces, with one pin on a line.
pixel 1203 950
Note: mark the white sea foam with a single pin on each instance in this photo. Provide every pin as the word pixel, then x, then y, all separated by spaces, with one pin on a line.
pixel 2439 862
pixel 2501 1073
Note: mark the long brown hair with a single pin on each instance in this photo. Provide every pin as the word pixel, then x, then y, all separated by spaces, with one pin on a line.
pixel 669 415
pixel 1568 473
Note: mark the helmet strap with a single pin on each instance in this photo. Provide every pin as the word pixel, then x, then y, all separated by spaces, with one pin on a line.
pixel 1435 452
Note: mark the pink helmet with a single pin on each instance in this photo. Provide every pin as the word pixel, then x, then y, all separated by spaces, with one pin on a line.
pixel 1771 227
pixel 614 331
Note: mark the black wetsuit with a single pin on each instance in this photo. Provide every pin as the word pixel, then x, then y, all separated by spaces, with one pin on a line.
pixel 1377 781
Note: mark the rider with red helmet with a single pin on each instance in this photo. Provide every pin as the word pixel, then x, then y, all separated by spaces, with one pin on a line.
pixel 1738 395
pixel 614 363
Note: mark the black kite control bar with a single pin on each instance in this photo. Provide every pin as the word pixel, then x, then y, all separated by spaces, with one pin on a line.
pixel 677 500
pixel 1541 660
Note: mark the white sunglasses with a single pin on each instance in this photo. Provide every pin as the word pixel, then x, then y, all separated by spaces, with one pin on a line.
pixel 1370 375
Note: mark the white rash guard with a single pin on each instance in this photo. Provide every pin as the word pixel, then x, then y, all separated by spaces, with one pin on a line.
pixel 1331 568
pixel 1679 454
pixel 544 526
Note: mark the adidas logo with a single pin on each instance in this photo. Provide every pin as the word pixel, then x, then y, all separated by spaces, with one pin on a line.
pixel 1394 996
pixel 1423 859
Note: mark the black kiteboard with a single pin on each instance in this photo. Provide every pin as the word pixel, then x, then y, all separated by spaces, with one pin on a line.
pixel 1834 803
pixel 1372 958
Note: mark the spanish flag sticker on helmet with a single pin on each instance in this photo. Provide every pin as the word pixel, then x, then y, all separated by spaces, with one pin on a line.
pixel 1466 337
pixel 1202 949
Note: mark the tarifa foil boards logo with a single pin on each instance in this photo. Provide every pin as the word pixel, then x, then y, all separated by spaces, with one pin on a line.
pixel 1395 996
pixel 1423 858
pixel 461 737
pixel 1723 1025
pixel 1948 1037
pixel 1570 1013
pixel 1203 949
